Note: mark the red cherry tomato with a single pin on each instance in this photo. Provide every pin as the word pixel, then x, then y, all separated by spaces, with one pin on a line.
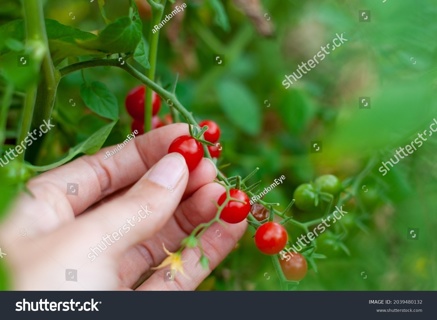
pixel 305 197
pixel 235 211
pixel 139 125
pixel 294 266
pixel 167 119
pixel 215 151
pixel 189 148
pixel 271 238
pixel 213 132
pixel 144 9
pixel 135 103
pixel 157 123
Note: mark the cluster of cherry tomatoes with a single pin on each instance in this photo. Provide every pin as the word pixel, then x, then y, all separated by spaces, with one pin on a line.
pixel 135 108
pixel 307 195
pixel 270 237
pixel 212 135
pixel 191 148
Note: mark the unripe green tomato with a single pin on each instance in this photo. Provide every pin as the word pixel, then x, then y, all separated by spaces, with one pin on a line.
pixel 328 183
pixel 305 197
pixel 348 221
pixel 369 197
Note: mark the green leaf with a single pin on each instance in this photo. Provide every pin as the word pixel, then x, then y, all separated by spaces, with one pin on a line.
pixel 87 125
pixel 312 263
pixel 11 30
pixel 318 256
pixel 22 68
pixel 296 111
pixel 103 11
pixel 387 123
pixel 62 39
pixel 121 36
pixel 14 45
pixel 94 142
pixel 10 9
pixel 240 106
pixel 141 54
pixel 89 146
pixel 221 18
pixel 98 98
pixel 399 180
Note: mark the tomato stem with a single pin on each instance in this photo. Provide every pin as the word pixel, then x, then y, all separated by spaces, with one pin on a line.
pixel 174 114
pixel 157 12
pixel 42 96
pixel 278 269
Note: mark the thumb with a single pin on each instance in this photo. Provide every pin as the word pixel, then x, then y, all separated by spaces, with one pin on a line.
pixel 144 209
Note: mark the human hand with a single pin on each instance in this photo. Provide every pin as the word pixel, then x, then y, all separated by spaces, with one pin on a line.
pixel 51 231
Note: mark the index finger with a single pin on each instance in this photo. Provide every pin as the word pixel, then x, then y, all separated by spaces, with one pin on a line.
pixel 88 179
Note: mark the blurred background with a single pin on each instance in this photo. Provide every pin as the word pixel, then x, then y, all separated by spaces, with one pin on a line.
pixel 389 60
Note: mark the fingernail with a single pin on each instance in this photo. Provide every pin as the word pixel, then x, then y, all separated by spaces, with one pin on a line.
pixel 168 171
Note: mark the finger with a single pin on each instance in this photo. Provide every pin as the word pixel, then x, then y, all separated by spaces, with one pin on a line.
pixel 95 177
pixel 215 248
pixel 50 206
pixel 204 173
pixel 199 208
pixel 141 212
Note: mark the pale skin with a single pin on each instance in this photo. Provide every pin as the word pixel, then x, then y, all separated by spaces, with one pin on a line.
pixel 46 234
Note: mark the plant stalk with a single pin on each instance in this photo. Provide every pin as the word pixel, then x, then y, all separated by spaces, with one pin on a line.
pixel 46 92
pixel 5 104
pixel 157 12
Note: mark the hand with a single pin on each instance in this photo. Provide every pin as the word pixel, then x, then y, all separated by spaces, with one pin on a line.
pixel 112 232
